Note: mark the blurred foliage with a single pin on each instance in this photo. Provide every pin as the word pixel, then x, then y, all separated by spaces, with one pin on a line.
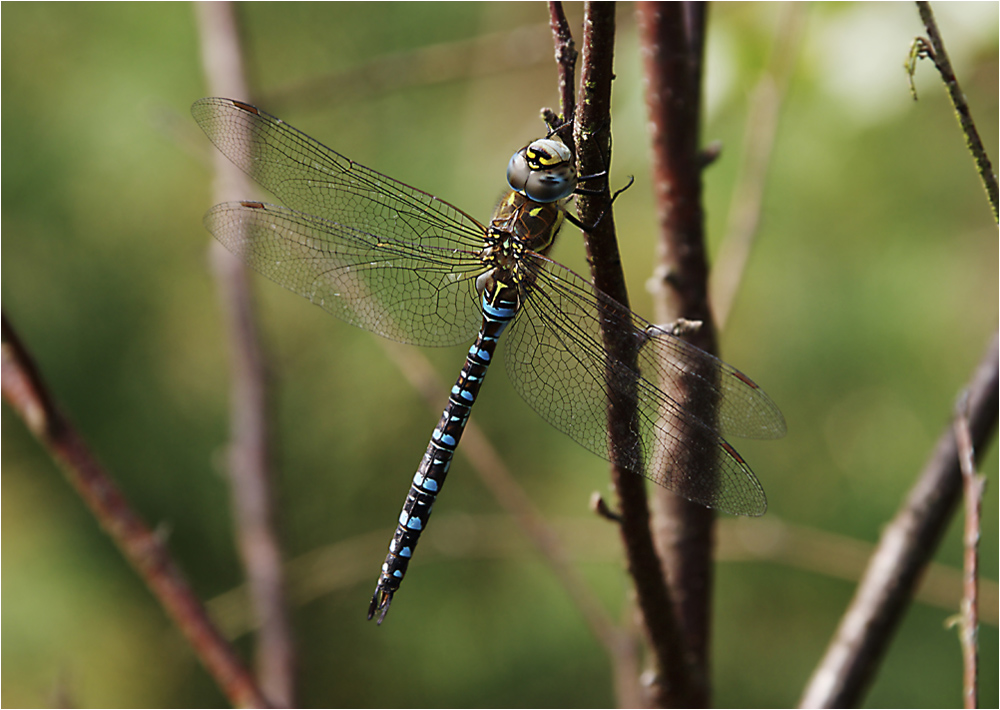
pixel 867 302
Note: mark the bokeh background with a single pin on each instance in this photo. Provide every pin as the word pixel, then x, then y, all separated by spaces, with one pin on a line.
pixel 866 304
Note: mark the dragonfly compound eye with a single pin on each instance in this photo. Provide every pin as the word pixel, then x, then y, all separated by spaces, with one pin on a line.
pixel 543 171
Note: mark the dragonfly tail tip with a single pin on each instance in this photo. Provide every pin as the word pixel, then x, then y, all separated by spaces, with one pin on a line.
pixel 379 605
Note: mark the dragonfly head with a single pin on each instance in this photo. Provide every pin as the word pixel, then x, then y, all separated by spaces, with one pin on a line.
pixel 543 171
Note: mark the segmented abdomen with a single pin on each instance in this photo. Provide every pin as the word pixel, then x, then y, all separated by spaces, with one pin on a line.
pixel 499 309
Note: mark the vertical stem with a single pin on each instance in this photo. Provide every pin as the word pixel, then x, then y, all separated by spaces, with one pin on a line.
pixel 671 685
pixel 683 530
pixel 249 457
pixel 566 56
pixel 973 486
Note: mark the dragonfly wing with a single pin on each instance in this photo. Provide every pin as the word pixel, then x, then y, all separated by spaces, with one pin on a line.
pixel 412 293
pixel 743 408
pixel 556 359
pixel 309 177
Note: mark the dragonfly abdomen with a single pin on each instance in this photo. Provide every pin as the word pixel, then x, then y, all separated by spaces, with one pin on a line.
pixel 499 308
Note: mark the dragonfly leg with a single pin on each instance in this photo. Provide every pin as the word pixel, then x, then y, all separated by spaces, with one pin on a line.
pixel 591 227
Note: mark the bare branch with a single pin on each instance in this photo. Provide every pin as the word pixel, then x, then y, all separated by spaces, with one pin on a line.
pixel 973 487
pixel 249 456
pixel 566 55
pixel 810 549
pixel 906 546
pixel 683 530
pixel 25 391
pixel 672 680
pixel 934 48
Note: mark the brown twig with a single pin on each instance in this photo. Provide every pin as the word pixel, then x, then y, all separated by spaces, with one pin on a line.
pixel 672 680
pixel 566 55
pixel 249 455
pixel 600 507
pixel 934 48
pixel 683 530
pixel 25 391
pixel 974 485
pixel 906 546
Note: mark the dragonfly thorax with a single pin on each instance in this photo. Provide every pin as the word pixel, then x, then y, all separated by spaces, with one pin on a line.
pixel 521 224
pixel 503 251
pixel 543 171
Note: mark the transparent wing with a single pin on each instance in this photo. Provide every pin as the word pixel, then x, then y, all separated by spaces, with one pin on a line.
pixel 556 359
pixel 408 292
pixel 368 248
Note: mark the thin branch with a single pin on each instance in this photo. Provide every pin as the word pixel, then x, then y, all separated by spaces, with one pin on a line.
pixel 905 548
pixel 566 55
pixel 974 485
pixel 683 530
pixel 249 456
pixel 25 391
pixel 934 48
pixel 758 145
pixel 672 680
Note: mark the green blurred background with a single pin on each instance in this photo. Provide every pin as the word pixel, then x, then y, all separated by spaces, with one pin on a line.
pixel 867 302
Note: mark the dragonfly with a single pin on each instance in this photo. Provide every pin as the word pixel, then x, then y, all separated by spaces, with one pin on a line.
pixel 397 261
